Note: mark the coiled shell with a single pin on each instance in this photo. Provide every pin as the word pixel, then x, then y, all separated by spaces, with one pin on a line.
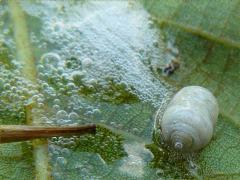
pixel 188 123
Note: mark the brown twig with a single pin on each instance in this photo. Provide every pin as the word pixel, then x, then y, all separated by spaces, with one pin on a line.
pixel 14 133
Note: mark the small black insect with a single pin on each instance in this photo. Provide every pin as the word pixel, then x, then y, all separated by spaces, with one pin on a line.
pixel 171 67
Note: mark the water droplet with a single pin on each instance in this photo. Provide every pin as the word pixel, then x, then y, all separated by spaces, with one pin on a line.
pixel 61 114
pixel 50 58
pixel 73 116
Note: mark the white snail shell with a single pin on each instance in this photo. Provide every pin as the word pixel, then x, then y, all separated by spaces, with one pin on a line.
pixel 188 123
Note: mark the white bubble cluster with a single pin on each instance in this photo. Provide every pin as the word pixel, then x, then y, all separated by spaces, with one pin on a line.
pixel 110 54
pixel 92 54
pixel 15 95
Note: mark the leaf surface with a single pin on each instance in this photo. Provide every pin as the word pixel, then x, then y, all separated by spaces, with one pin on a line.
pixel 211 63
pixel 103 65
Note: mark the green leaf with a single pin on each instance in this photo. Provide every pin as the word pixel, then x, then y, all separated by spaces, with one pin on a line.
pixel 208 59
pixel 103 67
pixel 16 161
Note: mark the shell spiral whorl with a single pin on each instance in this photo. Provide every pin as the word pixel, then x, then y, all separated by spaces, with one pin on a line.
pixel 188 123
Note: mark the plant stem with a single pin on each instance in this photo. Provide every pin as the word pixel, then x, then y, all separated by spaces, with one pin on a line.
pixel 14 133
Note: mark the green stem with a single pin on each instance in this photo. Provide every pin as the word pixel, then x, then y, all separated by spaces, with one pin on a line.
pixel 24 51
pixel 225 41
pixel 26 57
